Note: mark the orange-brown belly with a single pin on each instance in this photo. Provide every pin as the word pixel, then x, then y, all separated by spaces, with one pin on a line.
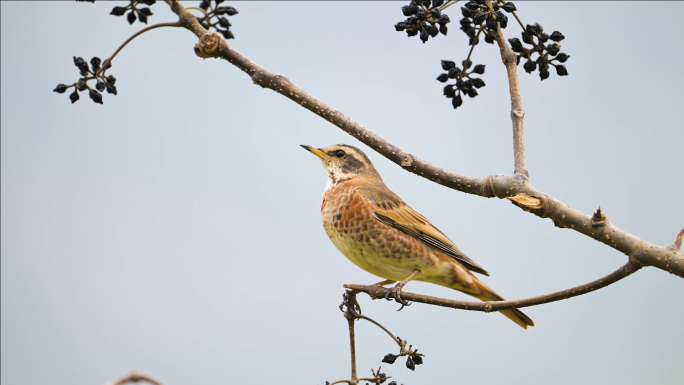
pixel 382 250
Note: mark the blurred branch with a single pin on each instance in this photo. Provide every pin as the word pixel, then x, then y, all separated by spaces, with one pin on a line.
pixel 135 377
pixel 628 269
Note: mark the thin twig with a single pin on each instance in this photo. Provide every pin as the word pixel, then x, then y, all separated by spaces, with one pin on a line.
pixel 198 9
pixel 467 60
pixel 623 272
pixel 523 28
pixel 151 27
pixel 447 5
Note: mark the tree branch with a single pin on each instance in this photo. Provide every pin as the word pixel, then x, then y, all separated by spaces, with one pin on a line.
pixel 624 271
pixel 212 45
pixel 510 60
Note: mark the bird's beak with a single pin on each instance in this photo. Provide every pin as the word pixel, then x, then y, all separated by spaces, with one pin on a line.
pixel 316 152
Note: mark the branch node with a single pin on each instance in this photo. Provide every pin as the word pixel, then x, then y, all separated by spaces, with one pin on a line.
pixel 408 161
pixel 599 219
pixel 677 245
pixel 519 113
pixel 208 45
pixel 487 307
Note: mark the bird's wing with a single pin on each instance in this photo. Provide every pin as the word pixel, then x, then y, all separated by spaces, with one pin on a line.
pixel 391 210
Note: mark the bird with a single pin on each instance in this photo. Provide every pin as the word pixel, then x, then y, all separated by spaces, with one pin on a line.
pixel 378 232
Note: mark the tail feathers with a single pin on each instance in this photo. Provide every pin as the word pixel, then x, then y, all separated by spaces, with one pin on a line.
pixel 514 315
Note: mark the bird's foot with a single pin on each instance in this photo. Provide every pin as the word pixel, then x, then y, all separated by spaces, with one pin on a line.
pixel 395 293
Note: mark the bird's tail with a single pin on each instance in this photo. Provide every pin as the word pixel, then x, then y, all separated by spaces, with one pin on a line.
pixel 514 315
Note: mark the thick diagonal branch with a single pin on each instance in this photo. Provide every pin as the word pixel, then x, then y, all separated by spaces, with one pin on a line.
pixel 212 45
pixel 622 272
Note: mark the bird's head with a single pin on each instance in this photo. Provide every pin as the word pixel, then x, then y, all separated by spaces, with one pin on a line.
pixel 344 162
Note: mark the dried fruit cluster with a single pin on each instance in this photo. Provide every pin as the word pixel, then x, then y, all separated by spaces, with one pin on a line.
pixel 413 359
pixel 425 17
pixel 478 18
pixel 465 84
pixel 548 51
pixel 142 13
pixel 220 23
pixel 92 72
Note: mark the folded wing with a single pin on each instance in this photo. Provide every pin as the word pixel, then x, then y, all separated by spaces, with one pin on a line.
pixel 391 210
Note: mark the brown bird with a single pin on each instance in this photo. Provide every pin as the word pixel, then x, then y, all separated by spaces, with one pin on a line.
pixel 380 233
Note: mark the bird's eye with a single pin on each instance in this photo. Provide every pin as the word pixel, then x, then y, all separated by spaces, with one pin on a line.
pixel 340 154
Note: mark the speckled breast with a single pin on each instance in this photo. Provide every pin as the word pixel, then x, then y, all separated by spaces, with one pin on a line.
pixel 366 242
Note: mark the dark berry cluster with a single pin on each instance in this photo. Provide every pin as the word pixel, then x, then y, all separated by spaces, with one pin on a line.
pixel 413 359
pixel 220 23
pixel 425 18
pixel 92 72
pixel 466 83
pixel 548 51
pixel 478 17
pixel 142 13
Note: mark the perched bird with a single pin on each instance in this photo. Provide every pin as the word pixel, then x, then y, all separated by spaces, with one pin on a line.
pixel 380 233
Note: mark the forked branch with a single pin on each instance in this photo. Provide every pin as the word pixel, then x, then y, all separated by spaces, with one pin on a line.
pixel 212 45
pixel 352 311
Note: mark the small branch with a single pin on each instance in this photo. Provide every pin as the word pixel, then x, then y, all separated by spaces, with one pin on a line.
pixel 135 377
pixel 151 27
pixel 510 60
pixel 623 272
pixel 198 9
pixel 472 48
pixel 351 296
pixel 381 327
pixel 352 347
pixel 677 245
pixel 350 303
pixel 447 5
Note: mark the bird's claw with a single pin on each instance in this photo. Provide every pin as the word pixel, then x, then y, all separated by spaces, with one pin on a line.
pixel 395 293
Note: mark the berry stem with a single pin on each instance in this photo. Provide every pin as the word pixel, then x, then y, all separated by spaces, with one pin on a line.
pixel 151 27
pixel 198 9
pixel 447 5
pixel 524 29
pixel 465 66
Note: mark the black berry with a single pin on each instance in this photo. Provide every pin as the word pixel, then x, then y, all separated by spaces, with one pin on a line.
pixel 410 364
pixel 557 36
pixel 60 89
pixel 118 11
pixel 389 358
pixel 74 97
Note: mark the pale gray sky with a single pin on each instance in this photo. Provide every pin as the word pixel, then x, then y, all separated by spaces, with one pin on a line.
pixel 175 229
